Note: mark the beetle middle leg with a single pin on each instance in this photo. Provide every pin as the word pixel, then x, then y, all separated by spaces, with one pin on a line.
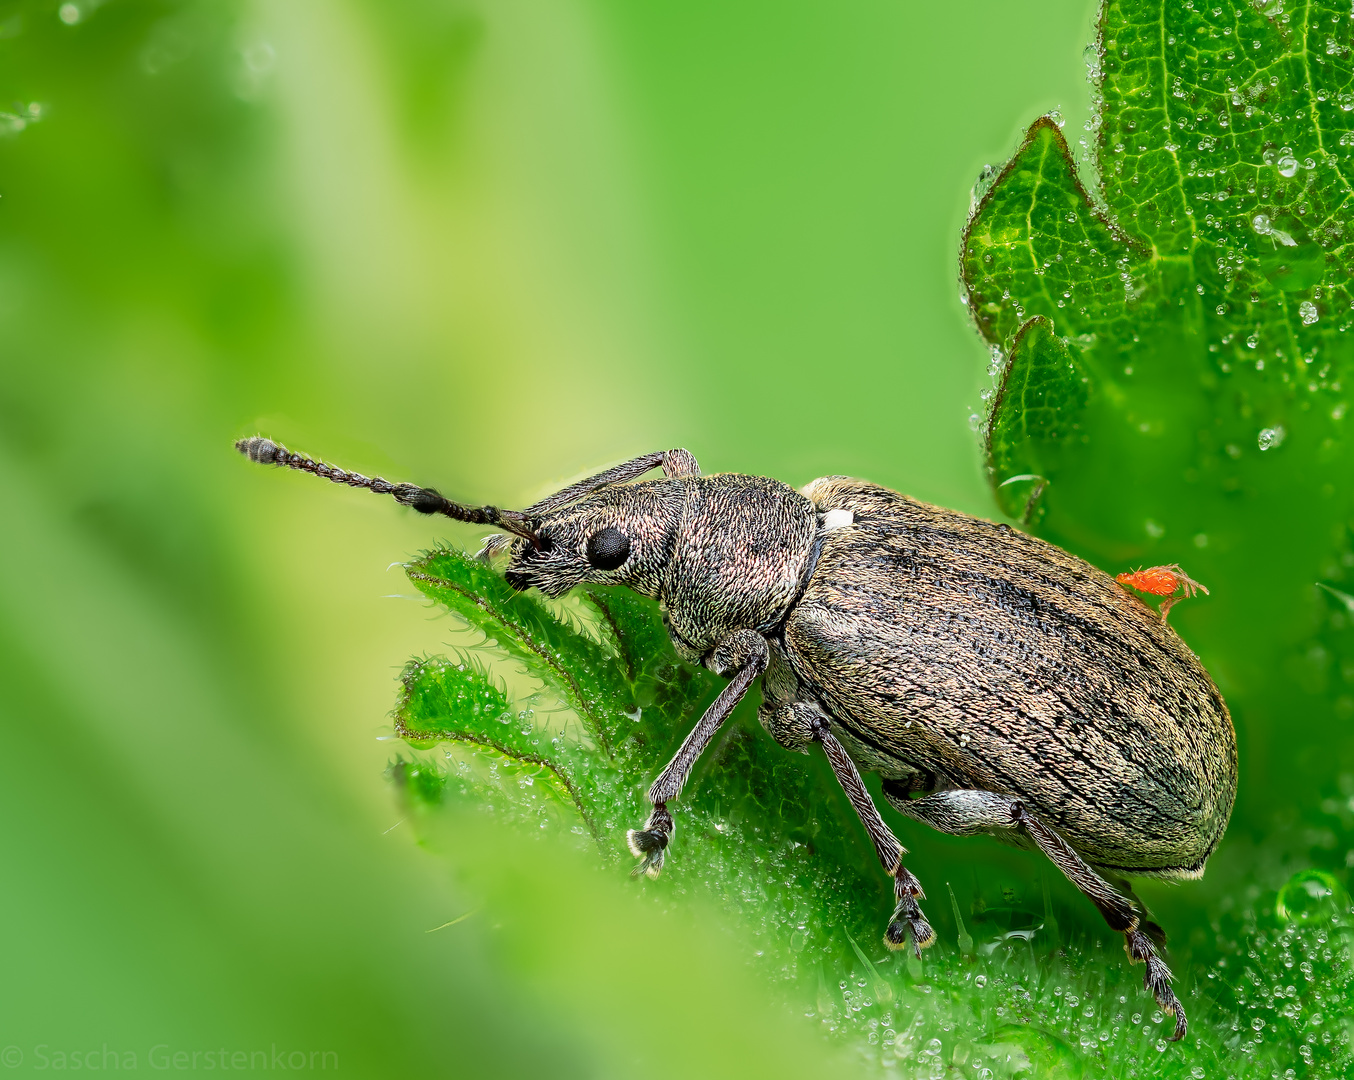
pixel 964 813
pixel 744 653
pixel 795 726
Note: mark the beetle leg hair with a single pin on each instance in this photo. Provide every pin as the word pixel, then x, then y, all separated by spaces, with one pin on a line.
pixel 967 812
pixel 908 922
pixel 744 653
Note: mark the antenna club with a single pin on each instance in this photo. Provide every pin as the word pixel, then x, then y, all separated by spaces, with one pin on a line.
pixel 261 451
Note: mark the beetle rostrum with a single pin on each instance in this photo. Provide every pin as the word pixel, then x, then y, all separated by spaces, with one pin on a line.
pixel 998 684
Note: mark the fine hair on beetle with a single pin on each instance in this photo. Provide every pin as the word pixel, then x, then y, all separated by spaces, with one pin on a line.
pixel 996 683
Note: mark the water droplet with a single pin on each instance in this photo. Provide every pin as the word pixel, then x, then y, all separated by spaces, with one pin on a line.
pixel 1260 223
pixel 1288 165
pixel 980 981
pixel 1271 437
pixel 1307 310
pixel 1310 896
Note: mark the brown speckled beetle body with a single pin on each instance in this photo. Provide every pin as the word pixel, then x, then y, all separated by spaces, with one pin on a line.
pixel 998 684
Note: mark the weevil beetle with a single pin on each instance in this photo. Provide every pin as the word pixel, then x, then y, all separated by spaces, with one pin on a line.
pixel 998 684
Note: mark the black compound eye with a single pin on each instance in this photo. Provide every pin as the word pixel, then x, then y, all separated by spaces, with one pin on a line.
pixel 608 549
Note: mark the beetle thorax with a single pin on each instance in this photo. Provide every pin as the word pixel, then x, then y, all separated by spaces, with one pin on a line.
pixel 738 559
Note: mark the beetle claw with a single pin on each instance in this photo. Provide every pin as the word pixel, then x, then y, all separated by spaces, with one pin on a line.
pixel 650 843
pixel 908 923
pixel 909 926
pixel 645 846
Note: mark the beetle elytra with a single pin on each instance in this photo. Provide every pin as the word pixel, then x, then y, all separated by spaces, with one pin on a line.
pixel 998 684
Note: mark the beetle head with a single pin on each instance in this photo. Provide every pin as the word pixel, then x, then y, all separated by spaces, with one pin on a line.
pixel 620 535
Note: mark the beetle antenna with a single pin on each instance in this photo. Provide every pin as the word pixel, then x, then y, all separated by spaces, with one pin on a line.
pixel 424 500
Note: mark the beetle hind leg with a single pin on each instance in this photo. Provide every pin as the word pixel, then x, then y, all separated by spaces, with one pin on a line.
pixel 1117 910
pixel 964 813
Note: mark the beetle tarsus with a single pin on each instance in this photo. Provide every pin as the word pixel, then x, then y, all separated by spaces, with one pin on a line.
pixel 649 844
pixel 1156 980
pixel 908 923
pixel 746 651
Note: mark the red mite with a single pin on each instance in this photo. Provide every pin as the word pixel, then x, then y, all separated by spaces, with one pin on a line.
pixel 1163 581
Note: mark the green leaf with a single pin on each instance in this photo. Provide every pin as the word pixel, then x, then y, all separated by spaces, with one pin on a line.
pixel 1037 245
pixel 588 683
pixel 1035 419
pixel 1210 294
pixel 457 701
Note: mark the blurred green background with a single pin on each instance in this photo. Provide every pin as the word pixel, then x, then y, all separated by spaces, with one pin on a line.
pixel 484 246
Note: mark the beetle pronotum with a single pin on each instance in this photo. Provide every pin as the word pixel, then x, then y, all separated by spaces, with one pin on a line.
pixel 998 684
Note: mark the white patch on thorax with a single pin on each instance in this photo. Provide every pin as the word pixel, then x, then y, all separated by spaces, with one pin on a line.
pixel 837 519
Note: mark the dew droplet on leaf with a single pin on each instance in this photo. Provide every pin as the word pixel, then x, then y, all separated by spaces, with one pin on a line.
pixel 1271 437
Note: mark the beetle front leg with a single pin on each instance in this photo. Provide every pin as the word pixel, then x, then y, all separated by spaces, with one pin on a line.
pixel 908 923
pixel 746 654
